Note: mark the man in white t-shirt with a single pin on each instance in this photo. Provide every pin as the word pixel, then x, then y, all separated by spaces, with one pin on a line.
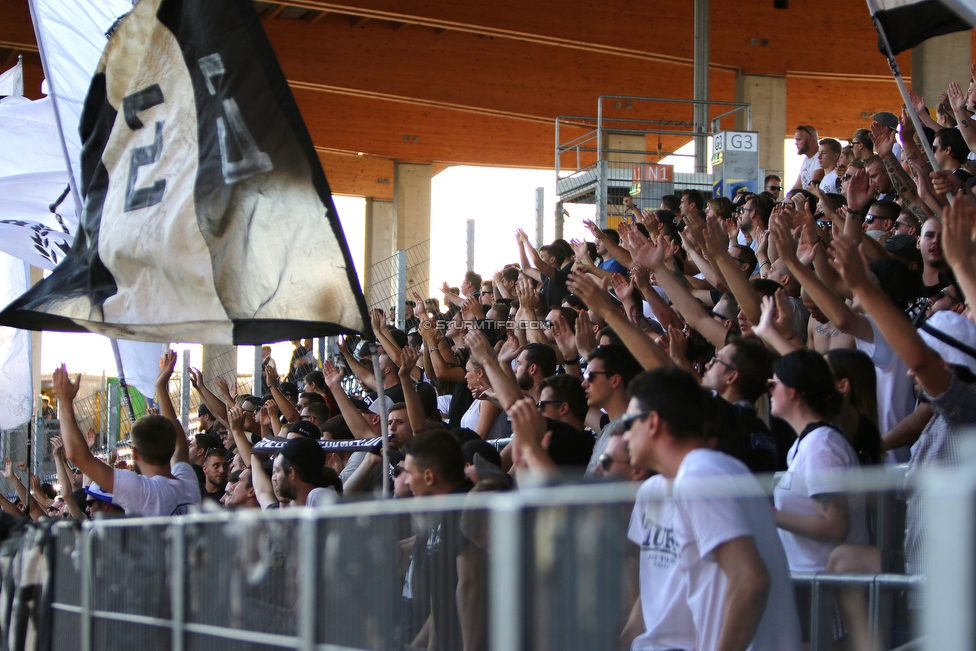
pixel 806 146
pixel 725 541
pixel 827 156
pixel 166 483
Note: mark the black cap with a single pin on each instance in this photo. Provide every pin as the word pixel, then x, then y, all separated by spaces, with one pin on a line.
pixel 487 451
pixel 306 428
pixel 306 455
pixel 289 389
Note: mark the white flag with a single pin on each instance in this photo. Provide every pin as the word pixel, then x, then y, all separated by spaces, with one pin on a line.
pixel 16 388
pixel 34 225
pixel 140 364
pixel 12 81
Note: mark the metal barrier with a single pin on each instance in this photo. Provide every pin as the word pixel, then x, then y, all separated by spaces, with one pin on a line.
pixel 557 572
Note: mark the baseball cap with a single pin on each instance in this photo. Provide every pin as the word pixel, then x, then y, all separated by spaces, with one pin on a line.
pixel 306 428
pixel 950 334
pixel 289 389
pixel 360 405
pixel 203 411
pixel 306 455
pixel 373 404
pixel 886 119
pixel 95 491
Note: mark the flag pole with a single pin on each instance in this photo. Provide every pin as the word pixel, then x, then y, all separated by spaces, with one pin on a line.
pixel 31 421
pixel 896 71
pixel 374 351
pixel 122 385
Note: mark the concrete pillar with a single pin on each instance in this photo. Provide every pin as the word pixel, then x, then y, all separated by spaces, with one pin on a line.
pixel 411 195
pixel 767 95
pixel 940 60
pixel 380 234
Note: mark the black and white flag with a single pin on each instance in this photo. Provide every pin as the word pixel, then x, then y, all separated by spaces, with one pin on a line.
pixel 207 216
pixel 909 22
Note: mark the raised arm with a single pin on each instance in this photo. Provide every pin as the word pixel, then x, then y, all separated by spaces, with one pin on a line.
pixel 883 146
pixel 235 416
pixel 75 446
pixel 896 328
pixel 648 353
pixel 263 491
pixel 651 255
pixel 717 242
pixel 837 311
pixel 957 242
pixel 354 420
pixel 616 251
pixel 362 371
pixel 534 258
pixel 957 100
pixel 285 406
pixel 10 474
pixel 213 403
pixel 415 409
pixel 524 257
pixel 503 384
pixel 529 432
pixel 181 454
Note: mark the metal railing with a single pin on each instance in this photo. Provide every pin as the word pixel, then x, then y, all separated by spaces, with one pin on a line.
pixel 558 573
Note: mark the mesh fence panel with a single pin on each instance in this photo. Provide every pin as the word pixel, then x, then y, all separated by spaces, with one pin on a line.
pixel 244 574
pixel 381 287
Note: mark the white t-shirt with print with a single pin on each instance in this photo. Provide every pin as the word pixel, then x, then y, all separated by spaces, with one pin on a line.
pixel 817 463
pixel 830 182
pixel 158 495
pixel 704 524
pixel 807 167
pixel 663 589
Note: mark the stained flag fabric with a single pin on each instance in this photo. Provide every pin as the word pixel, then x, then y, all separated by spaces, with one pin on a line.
pixel 207 216
pixel 909 22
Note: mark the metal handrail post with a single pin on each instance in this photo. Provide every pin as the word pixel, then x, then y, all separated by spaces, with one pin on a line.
pixel 308 582
pixel 815 615
pixel 505 588
pixel 177 589
pixel 86 587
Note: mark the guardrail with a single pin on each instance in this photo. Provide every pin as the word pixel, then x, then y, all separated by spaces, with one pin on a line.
pixel 556 572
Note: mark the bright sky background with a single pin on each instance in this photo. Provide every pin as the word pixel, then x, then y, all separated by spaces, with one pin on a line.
pixel 498 199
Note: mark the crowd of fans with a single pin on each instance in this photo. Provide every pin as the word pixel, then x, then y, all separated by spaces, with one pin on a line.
pixel 702 341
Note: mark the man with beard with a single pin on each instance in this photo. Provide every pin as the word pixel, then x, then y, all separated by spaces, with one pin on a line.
pixel 807 146
pixel 935 270
pixel 299 474
pixel 215 468
pixel 534 364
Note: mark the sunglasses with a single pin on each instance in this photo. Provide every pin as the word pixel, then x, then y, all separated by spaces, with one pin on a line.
pixel 846 177
pixel 629 419
pixel 606 461
pixel 588 375
pixel 542 403
pixel 775 188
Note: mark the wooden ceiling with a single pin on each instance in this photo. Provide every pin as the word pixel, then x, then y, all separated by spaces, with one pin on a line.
pixel 450 82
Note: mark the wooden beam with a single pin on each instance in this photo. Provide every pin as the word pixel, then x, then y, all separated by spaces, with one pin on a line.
pixel 398 26
pixel 272 12
pixel 313 17
pixel 358 21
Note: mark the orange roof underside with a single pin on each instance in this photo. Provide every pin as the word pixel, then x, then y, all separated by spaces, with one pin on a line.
pixel 452 82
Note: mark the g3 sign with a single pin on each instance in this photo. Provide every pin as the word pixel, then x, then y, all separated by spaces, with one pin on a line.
pixel 736 141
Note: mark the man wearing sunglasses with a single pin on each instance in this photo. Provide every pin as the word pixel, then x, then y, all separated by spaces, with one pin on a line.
pixel 605 381
pixel 733 578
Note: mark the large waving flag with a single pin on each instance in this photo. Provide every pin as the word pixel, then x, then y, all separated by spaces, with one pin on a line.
pixel 909 22
pixel 207 216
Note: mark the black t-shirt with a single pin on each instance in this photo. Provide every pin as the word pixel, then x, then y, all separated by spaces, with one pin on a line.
pixel 394 393
pixel 433 573
pixel 554 289
pixel 743 435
